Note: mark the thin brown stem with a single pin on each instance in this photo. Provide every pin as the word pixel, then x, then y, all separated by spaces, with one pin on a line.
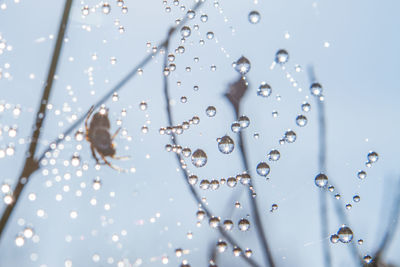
pixel 31 165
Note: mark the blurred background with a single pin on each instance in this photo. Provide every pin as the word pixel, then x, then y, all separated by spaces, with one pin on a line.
pixel 73 213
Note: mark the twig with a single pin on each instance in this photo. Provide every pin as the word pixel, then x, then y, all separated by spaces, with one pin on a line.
pixel 390 230
pixel 234 95
pixel 323 207
pixel 179 158
pixel 31 165
pixel 322 195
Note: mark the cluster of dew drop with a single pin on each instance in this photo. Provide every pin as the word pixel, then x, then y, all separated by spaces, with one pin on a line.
pixel 214 184
pixel 179 129
pixel 5 47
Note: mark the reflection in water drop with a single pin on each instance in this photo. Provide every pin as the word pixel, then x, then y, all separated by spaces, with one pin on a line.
pixel 221 246
pixel 362 175
pixel 244 121
pixel 345 234
pixel 282 56
pixel 306 107
pixel 316 89
pixel 254 17
pixel 226 144
pixel 211 111
pixel 290 136
pixel 334 238
pixel 263 169
pixel 235 127
pixel 214 222
pixel 242 65
pixel 372 156
pixel 321 180
pixel 106 8
pixel 301 120
pixel 185 31
pixel 264 90
pixel 243 225
pixel 199 158
pixel 228 225
pixel 274 155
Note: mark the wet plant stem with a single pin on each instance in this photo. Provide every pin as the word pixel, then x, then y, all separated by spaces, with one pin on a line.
pixel 180 160
pixel 31 164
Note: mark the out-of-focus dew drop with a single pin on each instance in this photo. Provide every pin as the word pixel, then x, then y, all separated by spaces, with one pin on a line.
pixel 361 175
pixel 115 97
pixel 334 238
pixel 201 214
pixel 263 169
pixel 316 89
pixel 237 251
pixel 79 135
pixel 19 241
pixel 372 156
pixel 5 188
pixel 192 179
pixel 345 234
pixel 185 31
pixel 214 222
pixel 321 180
pixel 96 184
pixel 274 155
pixel 306 107
pixel 254 17
pixel 106 8
pixel 242 65
pixel 143 106
pixel 8 199
pixel 211 111
pixel 244 225
pixel 248 252
pixel 226 144
pixel 221 246
pixel 75 160
pixel 367 259
pixel 264 90
pixel 281 56
pixel 178 252
pixel 85 10
pixel 28 232
pixel 301 120
pixel 274 207
pixel 199 158
pixel 360 241
pixel 228 225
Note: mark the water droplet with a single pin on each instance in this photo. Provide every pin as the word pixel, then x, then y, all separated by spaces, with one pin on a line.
pixel 264 90
pixel 301 120
pixel 334 238
pixel 204 184
pixel 75 160
pixel 236 251
pixel 19 241
pixel 372 156
pixel 244 178
pixel 85 10
pixel 226 144
pixel 367 259
pixel 191 14
pixel 214 222
pixel 204 18
pixel 235 127
pixel 306 107
pixel 263 169
pixel 345 234
pixel 231 182
pixel 199 158
pixel 244 121
pixel 28 232
pixel 316 89
pixel 192 179
pixel 106 8
pixel 201 214
pixel 185 31
pixel 274 207
pixel 282 56
pixel 243 225
pixel 228 225
pixel 242 65
pixel 96 184
pixel 221 246
pixel 321 180
pixel 210 35
pixel 254 17
pixel 248 253
pixel 274 155
pixel 356 198
pixel 211 111
pixel 290 136
pixel 362 175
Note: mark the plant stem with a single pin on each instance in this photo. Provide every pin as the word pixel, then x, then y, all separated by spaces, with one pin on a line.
pixel 179 159
pixel 31 165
